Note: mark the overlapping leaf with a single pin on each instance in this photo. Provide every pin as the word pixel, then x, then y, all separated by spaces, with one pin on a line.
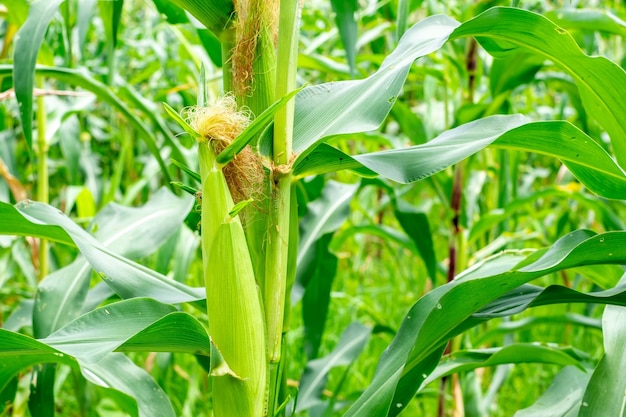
pixel 357 106
pixel 125 277
pixel 464 361
pixel 138 324
pixel 587 160
pixel 447 310
pixel 362 105
pixel 130 325
pixel 506 31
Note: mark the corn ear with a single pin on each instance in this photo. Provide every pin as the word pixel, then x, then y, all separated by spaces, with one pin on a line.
pixel 236 321
pixel 236 325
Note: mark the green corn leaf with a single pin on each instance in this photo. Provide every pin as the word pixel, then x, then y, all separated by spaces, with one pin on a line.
pixel 325 159
pixel 214 15
pixel 137 324
pixel 62 294
pixel 181 122
pixel 516 326
pixel 467 360
pixel 316 266
pixel 27 43
pixel 346 23
pixel 325 215
pixel 111 12
pixel 587 160
pixel 18 352
pixel 254 128
pixel 590 20
pixel 447 311
pixel 416 225
pixel 118 372
pixel 320 273
pixel 12 222
pixel 582 155
pixel 507 31
pixel 193 174
pixel 417 162
pixel 174 14
pixel 125 277
pixel 212 46
pixel 357 106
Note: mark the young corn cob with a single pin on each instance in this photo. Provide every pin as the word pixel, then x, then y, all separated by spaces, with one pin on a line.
pixel 236 323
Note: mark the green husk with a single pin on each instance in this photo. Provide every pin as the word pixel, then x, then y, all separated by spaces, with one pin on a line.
pixel 236 325
pixel 236 322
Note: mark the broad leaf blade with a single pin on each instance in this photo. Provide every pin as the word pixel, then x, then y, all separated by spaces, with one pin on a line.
pixel 252 130
pixel 463 361
pixel 417 162
pixel 174 14
pixel 176 332
pixel 507 31
pixel 62 294
pixel 357 106
pixel 446 311
pixel 12 222
pixel 216 15
pixel 111 12
pixel 585 158
pixel 138 324
pixel 325 215
pixel 124 276
pixel 591 20
pixel 316 300
pixel 416 225
pixel 118 372
pixel 18 352
pixel 27 43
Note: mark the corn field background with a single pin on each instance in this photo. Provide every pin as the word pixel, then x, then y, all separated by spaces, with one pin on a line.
pixel 319 208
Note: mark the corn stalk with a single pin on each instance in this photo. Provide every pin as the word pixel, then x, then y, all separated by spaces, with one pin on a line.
pixel 246 261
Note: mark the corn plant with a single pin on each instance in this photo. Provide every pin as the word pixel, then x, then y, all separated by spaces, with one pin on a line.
pixel 255 196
